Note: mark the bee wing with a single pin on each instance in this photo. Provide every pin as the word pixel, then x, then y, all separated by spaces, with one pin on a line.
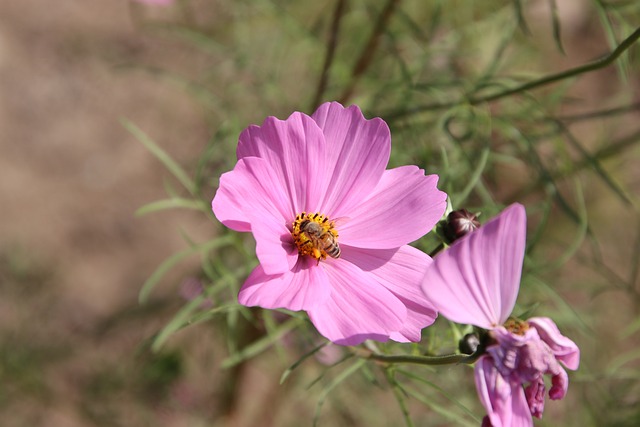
pixel 340 221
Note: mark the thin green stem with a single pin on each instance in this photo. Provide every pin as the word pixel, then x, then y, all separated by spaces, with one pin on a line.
pixel 599 113
pixel 400 395
pixel 603 62
pixel 367 53
pixel 591 66
pixel 330 53
pixel 449 359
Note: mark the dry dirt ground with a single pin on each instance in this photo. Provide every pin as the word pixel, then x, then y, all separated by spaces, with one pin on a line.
pixel 72 254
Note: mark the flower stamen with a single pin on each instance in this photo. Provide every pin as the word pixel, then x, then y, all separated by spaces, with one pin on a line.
pixel 516 326
pixel 315 235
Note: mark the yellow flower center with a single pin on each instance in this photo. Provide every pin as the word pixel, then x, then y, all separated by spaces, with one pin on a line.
pixel 516 326
pixel 315 235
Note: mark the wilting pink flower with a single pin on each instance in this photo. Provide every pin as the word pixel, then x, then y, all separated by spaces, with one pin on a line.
pixel 332 225
pixel 476 282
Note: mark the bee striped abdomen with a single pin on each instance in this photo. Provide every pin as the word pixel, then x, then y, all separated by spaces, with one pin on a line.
pixel 333 251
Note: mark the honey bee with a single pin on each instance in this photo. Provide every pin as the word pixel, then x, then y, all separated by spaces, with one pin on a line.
pixel 321 239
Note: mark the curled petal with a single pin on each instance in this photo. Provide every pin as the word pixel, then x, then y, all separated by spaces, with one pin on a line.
pixel 505 402
pixel 522 358
pixel 357 154
pixel 400 271
pixel 559 385
pixel 295 150
pixel 476 280
pixel 358 308
pixel 562 347
pixel 535 397
pixel 303 288
pixel 404 206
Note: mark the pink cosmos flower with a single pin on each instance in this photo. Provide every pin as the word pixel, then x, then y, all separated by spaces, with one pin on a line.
pixel 476 282
pixel 332 225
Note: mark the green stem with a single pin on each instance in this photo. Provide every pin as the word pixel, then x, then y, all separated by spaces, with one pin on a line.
pixel 330 53
pixel 436 250
pixel 364 61
pixel 400 395
pixel 553 78
pixel 449 359
pixel 591 66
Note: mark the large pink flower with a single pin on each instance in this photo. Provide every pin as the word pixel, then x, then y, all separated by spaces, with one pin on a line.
pixel 476 282
pixel 332 225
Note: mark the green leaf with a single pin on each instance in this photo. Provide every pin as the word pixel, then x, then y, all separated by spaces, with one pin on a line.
pixel 304 357
pixel 567 309
pixel 400 395
pixel 173 203
pixel 630 329
pixel 622 359
pixel 436 407
pixel 262 344
pixel 342 376
pixel 178 322
pixel 474 179
pixel 161 155
pixel 174 259
pixel 555 23
pixel 622 65
pixel 581 232
pixel 209 314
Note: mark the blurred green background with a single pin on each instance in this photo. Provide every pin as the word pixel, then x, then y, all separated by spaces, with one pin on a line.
pixel 82 83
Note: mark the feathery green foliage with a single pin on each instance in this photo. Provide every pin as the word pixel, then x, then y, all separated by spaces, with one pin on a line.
pixel 474 92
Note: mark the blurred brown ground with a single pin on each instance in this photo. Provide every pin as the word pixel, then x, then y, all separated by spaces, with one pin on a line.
pixel 72 176
pixel 72 254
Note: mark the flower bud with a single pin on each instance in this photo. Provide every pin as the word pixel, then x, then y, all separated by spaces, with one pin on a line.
pixel 460 223
pixel 469 343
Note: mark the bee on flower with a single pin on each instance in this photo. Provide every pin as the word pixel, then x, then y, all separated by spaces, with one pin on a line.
pixel 294 180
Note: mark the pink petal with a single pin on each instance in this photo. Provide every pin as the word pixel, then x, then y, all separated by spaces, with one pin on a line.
pixel 419 316
pixel 562 347
pixel 559 385
pixel 358 308
pixel 249 200
pixel 505 403
pixel 227 205
pixel 303 288
pixel 357 155
pixel 476 280
pixel 404 206
pixel 534 393
pixel 295 149
pixel 401 271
